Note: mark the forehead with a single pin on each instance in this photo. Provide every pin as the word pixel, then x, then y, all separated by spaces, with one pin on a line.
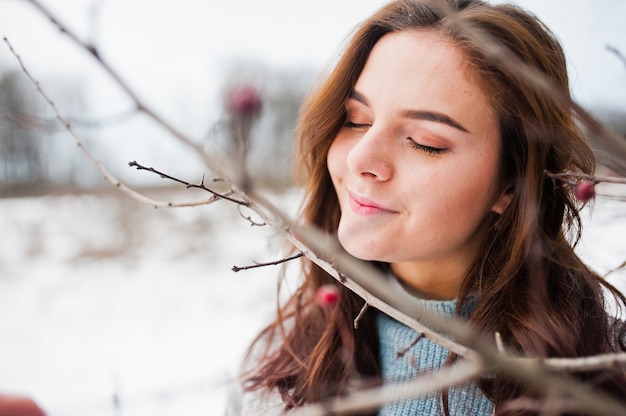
pixel 423 70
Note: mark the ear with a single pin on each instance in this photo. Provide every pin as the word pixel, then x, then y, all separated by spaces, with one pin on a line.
pixel 503 200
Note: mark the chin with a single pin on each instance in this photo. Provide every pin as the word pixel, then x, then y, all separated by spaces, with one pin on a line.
pixel 355 247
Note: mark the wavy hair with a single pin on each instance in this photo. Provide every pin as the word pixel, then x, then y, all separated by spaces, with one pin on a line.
pixel 531 286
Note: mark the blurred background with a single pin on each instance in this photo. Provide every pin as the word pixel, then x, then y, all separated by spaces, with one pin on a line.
pixel 111 307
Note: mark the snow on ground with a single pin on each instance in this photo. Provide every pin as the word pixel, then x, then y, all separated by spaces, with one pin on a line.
pixel 104 300
pixel 102 297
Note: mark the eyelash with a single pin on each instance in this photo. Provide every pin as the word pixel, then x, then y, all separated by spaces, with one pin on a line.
pixel 428 149
pixel 352 125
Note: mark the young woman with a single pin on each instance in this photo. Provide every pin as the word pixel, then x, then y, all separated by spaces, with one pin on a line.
pixel 428 157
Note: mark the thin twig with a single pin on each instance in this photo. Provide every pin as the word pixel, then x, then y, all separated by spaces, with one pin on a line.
pixel 567 177
pixel 406 349
pixel 500 344
pixel 360 315
pixel 613 270
pixel 249 219
pixel 617 53
pixel 271 263
pixel 187 184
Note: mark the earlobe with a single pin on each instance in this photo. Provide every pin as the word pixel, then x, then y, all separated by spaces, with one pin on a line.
pixel 503 201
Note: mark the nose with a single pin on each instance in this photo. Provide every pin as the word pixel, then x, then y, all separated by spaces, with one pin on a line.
pixel 371 156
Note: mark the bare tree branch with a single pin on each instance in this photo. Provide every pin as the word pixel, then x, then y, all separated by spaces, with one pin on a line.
pixel 271 263
pixel 187 184
pixel 370 399
pixel 584 364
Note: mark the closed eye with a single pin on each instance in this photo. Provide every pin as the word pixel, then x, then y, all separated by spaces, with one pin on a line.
pixel 428 149
pixel 349 124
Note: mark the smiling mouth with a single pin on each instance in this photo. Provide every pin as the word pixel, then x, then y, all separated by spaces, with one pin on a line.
pixel 364 206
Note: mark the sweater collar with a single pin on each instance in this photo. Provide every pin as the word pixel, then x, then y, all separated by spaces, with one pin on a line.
pixel 443 308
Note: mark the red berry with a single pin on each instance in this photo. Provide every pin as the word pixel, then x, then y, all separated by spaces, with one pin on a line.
pixel 19 406
pixel 585 190
pixel 328 295
pixel 244 101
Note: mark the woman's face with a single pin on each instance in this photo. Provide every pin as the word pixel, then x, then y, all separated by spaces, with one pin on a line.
pixel 415 165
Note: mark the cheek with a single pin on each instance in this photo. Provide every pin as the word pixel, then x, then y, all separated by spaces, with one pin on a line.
pixel 468 196
pixel 480 190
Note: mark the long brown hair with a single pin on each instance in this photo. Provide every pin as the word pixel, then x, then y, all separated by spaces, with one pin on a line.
pixel 531 286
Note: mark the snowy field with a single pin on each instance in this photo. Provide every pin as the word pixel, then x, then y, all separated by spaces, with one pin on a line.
pixel 109 307
pixel 103 299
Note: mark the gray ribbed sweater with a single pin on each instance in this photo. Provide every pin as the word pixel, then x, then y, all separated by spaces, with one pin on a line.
pixel 421 357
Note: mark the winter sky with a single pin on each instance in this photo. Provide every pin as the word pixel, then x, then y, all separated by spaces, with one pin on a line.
pixel 168 49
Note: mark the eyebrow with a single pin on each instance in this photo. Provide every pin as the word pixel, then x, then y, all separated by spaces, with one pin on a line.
pixel 417 114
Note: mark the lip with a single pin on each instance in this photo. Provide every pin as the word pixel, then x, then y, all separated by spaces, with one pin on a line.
pixel 365 206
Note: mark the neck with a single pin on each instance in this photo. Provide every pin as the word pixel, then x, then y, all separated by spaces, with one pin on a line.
pixel 432 281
